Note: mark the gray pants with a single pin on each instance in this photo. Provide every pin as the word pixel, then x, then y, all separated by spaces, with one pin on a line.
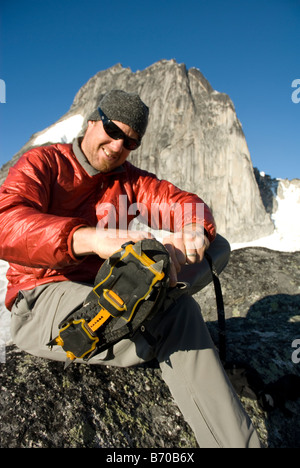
pixel 187 357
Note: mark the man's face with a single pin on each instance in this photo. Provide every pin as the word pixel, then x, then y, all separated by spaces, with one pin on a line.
pixel 103 152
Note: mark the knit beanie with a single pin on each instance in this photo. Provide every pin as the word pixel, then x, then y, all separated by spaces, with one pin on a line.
pixel 124 107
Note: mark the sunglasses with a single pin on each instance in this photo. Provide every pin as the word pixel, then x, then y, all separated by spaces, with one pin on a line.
pixel 114 132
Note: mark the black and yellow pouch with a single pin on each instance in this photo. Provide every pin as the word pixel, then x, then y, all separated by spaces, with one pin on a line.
pixel 130 287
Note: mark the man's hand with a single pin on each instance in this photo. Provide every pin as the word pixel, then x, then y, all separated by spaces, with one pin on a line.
pixel 187 246
pixel 88 240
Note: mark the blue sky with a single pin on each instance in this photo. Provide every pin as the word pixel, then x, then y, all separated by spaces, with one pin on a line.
pixel 248 49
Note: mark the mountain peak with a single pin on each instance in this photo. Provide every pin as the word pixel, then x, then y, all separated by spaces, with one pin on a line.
pixel 194 139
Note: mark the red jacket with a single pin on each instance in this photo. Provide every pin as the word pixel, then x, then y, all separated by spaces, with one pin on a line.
pixel 52 191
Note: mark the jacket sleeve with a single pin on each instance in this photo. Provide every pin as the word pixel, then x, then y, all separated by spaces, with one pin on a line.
pixel 29 236
pixel 165 206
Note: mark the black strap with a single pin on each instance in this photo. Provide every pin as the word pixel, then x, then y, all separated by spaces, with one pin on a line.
pixel 220 309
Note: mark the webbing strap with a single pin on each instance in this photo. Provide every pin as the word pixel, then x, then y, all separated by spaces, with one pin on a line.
pixel 220 309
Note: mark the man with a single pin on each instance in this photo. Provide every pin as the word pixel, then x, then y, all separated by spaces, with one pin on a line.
pixel 66 208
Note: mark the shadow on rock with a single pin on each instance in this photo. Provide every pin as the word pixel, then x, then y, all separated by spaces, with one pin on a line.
pixel 263 367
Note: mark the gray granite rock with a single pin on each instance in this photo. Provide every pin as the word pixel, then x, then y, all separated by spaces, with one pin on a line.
pixel 87 406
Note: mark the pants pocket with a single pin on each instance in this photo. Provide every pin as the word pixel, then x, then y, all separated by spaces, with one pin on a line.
pixel 20 316
pixel 20 308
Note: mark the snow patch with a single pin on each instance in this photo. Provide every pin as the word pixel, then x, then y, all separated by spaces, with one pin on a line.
pixel 286 237
pixel 287 216
pixel 4 313
pixel 62 132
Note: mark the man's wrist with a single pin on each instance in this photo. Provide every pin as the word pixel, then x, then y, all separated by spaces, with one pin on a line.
pixel 83 241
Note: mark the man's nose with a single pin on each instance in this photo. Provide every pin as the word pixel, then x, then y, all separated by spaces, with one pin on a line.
pixel 116 145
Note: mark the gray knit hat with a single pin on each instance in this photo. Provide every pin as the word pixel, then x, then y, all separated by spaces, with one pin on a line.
pixel 124 107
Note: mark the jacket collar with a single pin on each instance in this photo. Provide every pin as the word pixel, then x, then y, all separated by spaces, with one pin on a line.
pixel 86 165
